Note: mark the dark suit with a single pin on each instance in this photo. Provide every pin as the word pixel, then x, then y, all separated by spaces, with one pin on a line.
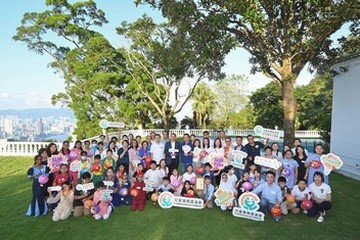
pixel 172 163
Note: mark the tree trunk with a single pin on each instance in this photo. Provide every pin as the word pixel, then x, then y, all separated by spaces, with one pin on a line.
pixel 166 122
pixel 289 105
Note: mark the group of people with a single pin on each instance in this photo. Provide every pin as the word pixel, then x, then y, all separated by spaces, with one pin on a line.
pixel 167 164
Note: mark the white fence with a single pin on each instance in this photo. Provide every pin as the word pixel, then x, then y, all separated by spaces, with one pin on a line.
pixel 31 148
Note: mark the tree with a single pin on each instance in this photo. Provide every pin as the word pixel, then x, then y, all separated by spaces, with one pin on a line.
pixel 96 82
pixel 282 36
pixel 164 65
pixel 186 121
pixel 203 105
pixel 231 98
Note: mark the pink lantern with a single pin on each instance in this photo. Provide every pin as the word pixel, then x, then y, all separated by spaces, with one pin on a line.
pixel 43 179
pixel 247 186
pixel 72 155
pixel 90 153
pixel 123 192
pixel 192 180
pixel 176 183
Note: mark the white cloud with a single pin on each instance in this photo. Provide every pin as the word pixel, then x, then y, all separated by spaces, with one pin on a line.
pixel 4 96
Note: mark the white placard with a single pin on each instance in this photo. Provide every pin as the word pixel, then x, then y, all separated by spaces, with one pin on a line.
pixel 267 133
pixel 108 183
pixel 54 188
pixel 186 148
pixel 248 207
pixel 88 186
pixel 148 186
pixel 75 166
pixel 106 195
pixel 168 200
pixel 238 157
pixel 268 162
pixel 106 124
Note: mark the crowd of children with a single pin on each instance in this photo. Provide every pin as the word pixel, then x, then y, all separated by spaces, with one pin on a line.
pixel 98 176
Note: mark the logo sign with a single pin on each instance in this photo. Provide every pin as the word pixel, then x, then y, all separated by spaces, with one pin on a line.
pixel 148 186
pixel 172 151
pixel 106 195
pixel 168 200
pixel 55 161
pixel 267 133
pixel 186 148
pixel 248 207
pixel 106 124
pixel 85 187
pixel 330 162
pixel 217 161
pixel 224 197
pixel 55 188
pixel 108 183
pixel 238 157
pixel 75 166
pixel 268 162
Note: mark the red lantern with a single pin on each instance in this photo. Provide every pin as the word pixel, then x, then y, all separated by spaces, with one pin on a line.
pixel 148 159
pixel 134 192
pixel 290 198
pixel 108 163
pixel 306 204
pixel 199 170
pixel 276 212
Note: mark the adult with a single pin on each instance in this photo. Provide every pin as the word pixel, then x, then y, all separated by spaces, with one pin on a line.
pixel 134 158
pixel 206 134
pixel 186 152
pixel 240 147
pixel 314 164
pixel 222 137
pixel 165 137
pixel 276 151
pixel 123 154
pixel 300 158
pixel 297 142
pixel 145 155
pixel 207 148
pixel 219 151
pixel 321 197
pixel 100 150
pixel 65 149
pixel 228 150
pixel 270 193
pixel 157 149
pixel 253 148
pixel 102 138
pixel 51 149
pixel 172 153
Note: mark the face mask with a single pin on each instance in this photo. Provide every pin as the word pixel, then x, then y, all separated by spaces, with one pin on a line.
pixel 94 145
pixel 232 171
pixel 83 157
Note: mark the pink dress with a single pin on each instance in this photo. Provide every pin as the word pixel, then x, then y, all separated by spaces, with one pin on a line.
pixel 177 190
pixel 134 159
pixel 102 204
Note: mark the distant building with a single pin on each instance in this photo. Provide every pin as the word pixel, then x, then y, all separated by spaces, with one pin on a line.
pixel 39 126
pixel 345 130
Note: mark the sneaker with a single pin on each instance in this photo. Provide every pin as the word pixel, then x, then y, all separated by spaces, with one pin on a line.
pixel 305 211
pixel 320 219
pixel 324 213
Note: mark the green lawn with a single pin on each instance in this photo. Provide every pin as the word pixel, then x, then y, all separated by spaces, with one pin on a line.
pixel 342 222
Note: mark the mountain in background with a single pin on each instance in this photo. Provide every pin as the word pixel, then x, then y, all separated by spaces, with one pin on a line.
pixel 38 113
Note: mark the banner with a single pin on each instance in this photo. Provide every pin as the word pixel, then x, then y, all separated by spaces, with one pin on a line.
pixel 267 133
pixel 248 207
pixel 168 200
pixel 268 162
pixel 331 162
pixel 106 124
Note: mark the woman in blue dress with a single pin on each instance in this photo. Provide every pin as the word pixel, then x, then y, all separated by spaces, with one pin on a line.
pixel 38 203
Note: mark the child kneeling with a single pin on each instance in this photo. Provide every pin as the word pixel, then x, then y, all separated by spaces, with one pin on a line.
pixel 104 207
pixel 65 205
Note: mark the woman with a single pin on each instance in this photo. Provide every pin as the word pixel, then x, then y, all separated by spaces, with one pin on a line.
pixel 276 151
pixel 123 154
pixel 38 203
pixel 65 199
pixel 134 158
pixel 313 164
pixel 300 158
pixel 51 149
pixel 206 150
pixel 321 197
pixel 228 150
pixel 196 153
pixel 145 155
pixel 219 151
pixel 65 149
pixel 112 146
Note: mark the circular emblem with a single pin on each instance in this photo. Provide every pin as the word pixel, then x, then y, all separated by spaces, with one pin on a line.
pixel 258 130
pixel 103 123
pixel 166 200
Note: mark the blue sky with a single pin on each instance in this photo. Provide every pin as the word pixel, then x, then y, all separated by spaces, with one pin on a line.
pixel 27 82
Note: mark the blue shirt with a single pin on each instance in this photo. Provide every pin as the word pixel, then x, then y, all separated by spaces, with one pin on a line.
pixel 209 192
pixel 271 193
pixel 186 159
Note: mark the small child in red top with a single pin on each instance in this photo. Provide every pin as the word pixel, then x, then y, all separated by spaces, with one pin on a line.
pixel 62 176
pixel 139 195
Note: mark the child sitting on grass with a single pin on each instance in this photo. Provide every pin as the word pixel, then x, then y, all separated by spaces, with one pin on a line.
pixel 104 203
pixel 65 198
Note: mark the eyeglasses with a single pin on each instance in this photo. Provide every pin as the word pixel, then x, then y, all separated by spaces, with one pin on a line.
pixel 227 141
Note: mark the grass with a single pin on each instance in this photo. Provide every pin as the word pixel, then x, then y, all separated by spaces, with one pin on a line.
pixel 342 221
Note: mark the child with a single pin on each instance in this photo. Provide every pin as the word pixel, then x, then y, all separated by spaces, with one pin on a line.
pixel 125 183
pixel 81 196
pixel 208 172
pixel 175 179
pixel 165 186
pixel 65 198
pixel 285 190
pixel 187 190
pixel 85 164
pixel 256 180
pixel 289 169
pixel 139 199
pixel 252 168
pixel 208 193
pixel 104 205
pixel 188 175
pixel 110 176
pixel 239 184
pixel 38 203
pixel 225 184
pixel 154 175
pixel 62 176
pixel 97 170
pixel 108 162
pixel 163 168
pixel 120 171
pixel 300 192
pixel 230 172
pixel 140 168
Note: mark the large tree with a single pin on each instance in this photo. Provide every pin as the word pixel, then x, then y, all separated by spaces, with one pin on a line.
pixel 203 104
pixel 282 36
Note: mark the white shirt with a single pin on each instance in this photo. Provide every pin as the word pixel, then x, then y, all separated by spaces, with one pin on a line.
pixel 233 179
pixel 158 151
pixel 155 176
pixel 300 195
pixel 187 176
pixel 320 191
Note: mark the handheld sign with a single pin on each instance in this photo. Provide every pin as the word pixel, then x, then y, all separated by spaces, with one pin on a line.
pixel 148 186
pixel 199 183
pixel 330 162
pixel 267 133
pixel 106 124
pixel 238 157
pixel 55 188
pixel 186 148
pixel 75 166
pixel 217 161
pixel 248 207
pixel 85 187
pixel 108 183
pixel 55 161
pixel 172 151
pixel 268 162
pixel 106 195
pixel 168 200
pixel 224 197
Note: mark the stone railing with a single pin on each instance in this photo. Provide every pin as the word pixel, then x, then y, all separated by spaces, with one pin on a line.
pixel 31 148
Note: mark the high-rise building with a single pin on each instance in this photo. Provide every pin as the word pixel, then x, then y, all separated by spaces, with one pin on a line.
pixel 39 126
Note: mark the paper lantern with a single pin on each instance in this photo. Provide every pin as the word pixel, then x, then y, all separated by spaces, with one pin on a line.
pixel 276 212
pixel 154 197
pixel 90 153
pixel 290 198
pixel 286 172
pixel 88 203
pixel 72 155
pixel 43 179
pixel 148 159
pixel 315 164
pixel 176 183
pixel 95 209
pixel 96 168
pixel 119 174
pixel 189 194
pixel 123 192
pixel 107 163
pixel 247 186
pixel 134 192
pixel 199 170
pixel 306 204
pixel 192 180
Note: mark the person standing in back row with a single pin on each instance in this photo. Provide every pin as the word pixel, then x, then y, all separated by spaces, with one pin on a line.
pixel 186 152
pixel 253 148
pixel 172 153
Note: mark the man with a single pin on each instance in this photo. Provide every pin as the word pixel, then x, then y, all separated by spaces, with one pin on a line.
pixel 165 137
pixel 172 153
pixel 270 193
pixel 102 138
pixel 206 134
pixel 157 149
pixel 152 135
pixel 186 152
pixel 222 137
pixel 253 148
pixel 297 142
pixel 239 172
